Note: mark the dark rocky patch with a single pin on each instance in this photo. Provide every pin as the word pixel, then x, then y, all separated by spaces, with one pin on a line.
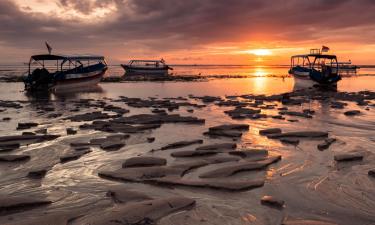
pixel 298 114
pixel 122 195
pixel 73 156
pixel 219 146
pixel 193 153
pixel 36 138
pixel 181 144
pixel 254 154
pixel 112 145
pixel 353 156
pixel 144 161
pixel 10 205
pixel 352 113
pixel 290 221
pixel 37 173
pixel 70 131
pixel 327 142
pixel 270 131
pixel 227 171
pixel 150 139
pixel 14 158
pixel 28 125
pixel 300 134
pixel 4 147
pixel 371 173
pixel 228 130
pixel 211 183
pixel 290 141
pixel 138 213
pixel 90 116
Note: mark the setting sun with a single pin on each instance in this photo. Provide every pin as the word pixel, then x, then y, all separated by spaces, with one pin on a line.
pixel 260 52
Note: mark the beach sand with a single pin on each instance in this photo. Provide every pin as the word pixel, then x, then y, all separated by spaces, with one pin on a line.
pixel 156 152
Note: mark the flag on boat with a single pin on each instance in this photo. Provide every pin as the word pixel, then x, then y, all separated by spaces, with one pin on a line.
pixel 49 48
pixel 325 49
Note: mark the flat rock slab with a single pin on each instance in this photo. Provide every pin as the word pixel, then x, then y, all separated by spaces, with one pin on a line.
pixel 290 141
pixel 192 153
pixel 352 113
pixel 10 205
pixel 73 156
pixel 326 144
pixel 89 116
pixel 227 171
pixel 27 125
pixel 224 133
pixel 220 146
pixel 144 161
pixel 14 158
pixel 37 173
pixel 300 134
pixel 112 145
pixel 270 131
pixel 348 157
pixel 141 174
pixel 272 201
pixel 211 183
pixel 138 213
pixel 250 153
pixel 13 138
pixel 122 195
pixel 9 146
pixel 306 222
pixel 181 144
pixel 230 127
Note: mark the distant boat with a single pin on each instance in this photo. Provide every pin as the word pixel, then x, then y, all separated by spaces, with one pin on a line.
pixel 315 68
pixel 62 72
pixel 347 69
pixel 147 67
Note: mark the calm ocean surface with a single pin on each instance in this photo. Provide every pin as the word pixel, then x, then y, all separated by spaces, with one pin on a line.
pixel 185 70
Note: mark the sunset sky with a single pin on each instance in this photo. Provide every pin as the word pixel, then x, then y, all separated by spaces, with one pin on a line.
pixel 259 32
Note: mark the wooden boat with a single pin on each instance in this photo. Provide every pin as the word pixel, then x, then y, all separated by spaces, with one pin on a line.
pixel 61 72
pixel 315 68
pixel 146 67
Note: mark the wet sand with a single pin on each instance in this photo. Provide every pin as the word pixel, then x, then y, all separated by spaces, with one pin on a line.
pixel 146 153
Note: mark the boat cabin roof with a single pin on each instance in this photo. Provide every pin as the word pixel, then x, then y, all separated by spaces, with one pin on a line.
pixel 316 56
pixel 66 57
pixel 140 60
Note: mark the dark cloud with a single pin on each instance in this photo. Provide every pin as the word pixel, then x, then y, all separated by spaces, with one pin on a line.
pixel 164 25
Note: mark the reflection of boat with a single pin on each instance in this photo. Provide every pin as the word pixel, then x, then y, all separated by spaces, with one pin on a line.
pixel 146 67
pixel 315 68
pixel 54 72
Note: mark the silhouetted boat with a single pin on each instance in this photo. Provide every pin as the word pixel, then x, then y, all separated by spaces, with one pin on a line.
pixel 347 69
pixel 56 72
pixel 146 67
pixel 315 68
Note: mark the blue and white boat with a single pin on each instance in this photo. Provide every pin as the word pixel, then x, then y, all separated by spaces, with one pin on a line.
pixel 315 68
pixel 62 72
pixel 146 68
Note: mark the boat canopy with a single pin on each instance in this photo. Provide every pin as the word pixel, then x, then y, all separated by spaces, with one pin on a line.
pixel 67 57
pixel 315 56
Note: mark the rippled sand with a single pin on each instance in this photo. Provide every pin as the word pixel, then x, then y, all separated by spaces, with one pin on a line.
pixel 315 188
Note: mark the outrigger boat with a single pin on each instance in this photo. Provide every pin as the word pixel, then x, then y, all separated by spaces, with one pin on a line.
pixel 315 68
pixel 146 67
pixel 61 72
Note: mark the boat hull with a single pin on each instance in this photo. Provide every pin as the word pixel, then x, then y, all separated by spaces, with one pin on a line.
pixel 305 77
pixel 81 80
pixel 163 71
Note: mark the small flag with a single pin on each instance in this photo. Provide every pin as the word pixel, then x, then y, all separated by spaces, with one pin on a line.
pixel 325 49
pixel 49 48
